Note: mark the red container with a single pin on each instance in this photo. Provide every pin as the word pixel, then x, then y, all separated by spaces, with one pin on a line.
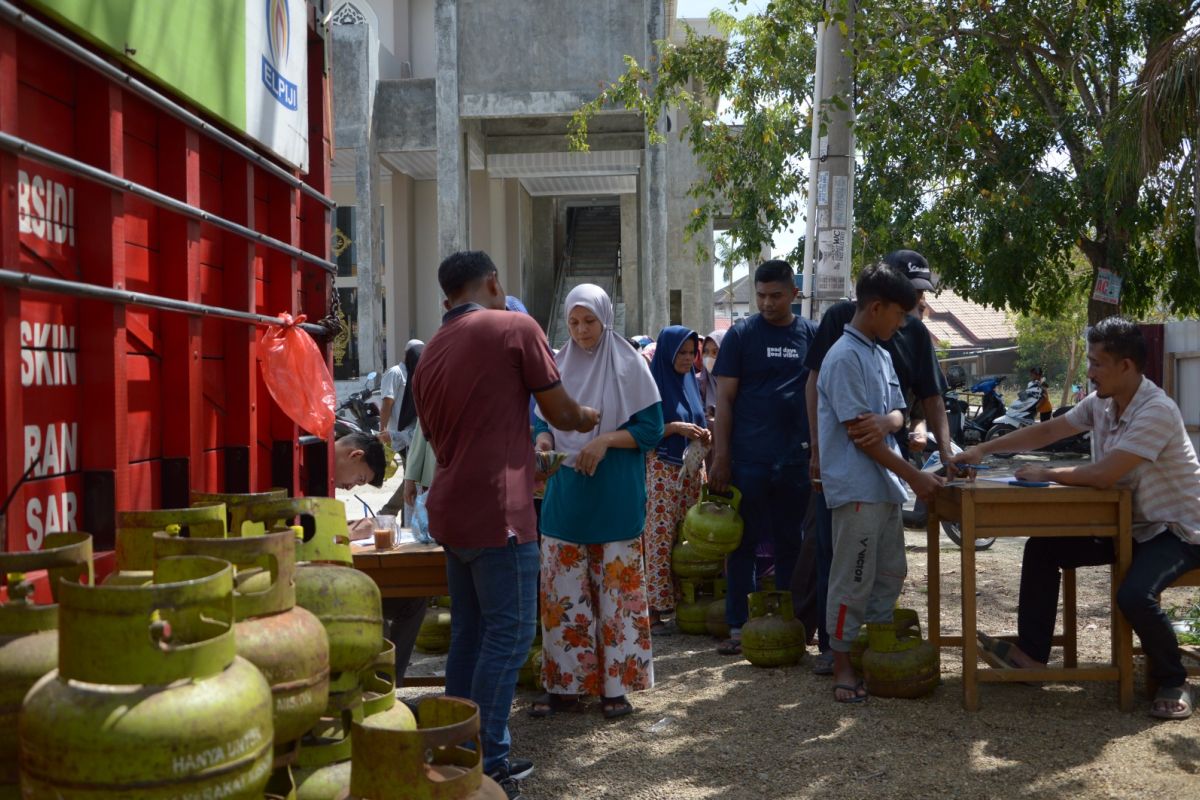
pixel 128 405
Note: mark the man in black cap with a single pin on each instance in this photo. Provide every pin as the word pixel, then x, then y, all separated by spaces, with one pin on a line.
pixel 915 360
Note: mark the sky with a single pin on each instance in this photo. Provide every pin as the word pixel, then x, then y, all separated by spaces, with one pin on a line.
pixel 784 240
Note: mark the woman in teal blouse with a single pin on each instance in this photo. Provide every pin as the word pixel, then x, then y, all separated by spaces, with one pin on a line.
pixel 595 617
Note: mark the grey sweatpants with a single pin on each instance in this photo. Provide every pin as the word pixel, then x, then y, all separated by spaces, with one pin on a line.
pixel 868 569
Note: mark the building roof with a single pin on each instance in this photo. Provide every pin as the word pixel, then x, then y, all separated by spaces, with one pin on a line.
pixel 965 324
pixel 741 292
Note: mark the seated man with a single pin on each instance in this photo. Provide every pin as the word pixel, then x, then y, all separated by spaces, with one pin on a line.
pixel 1139 441
pixel 358 459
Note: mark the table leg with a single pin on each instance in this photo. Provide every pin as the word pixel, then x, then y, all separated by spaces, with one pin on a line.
pixel 1070 621
pixel 1122 632
pixel 970 648
pixel 933 579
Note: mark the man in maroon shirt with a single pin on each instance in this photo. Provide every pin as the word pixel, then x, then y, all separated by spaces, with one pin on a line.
pixel 472 394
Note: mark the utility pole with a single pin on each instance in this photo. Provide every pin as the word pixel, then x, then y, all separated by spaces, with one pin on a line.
pixel 830 218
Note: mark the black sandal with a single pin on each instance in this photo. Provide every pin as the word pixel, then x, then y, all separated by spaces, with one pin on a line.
pixel 615 707
pixel 730 647
pixel 549 704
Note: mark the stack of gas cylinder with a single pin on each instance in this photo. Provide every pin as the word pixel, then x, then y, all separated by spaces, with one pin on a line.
pixel 711 530
pixel 231 654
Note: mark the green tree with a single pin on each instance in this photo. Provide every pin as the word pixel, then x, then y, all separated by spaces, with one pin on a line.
pixel 986 132
pixel 1159 126
pixel 1055 344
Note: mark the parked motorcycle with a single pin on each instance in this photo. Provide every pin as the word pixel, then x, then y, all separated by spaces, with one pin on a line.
pixel 967 429
pixel 1024 413
pixel 358 414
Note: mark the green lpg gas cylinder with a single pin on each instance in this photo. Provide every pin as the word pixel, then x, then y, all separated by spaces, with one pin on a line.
pixel 322 769
pixel 286 642
pixel 346 600
pixel 135 537
pixel 150 699
pixel 696 596
pixel 899 667
pixel 857 648
pixel 530 675
pixel 378 683
pixel 28 633
pixel 715 621
pixel 432 762
pixel 434 635
pixel 772 637
pixel 687 563
pixel 907 622
pixel 713 525
pixel 235 508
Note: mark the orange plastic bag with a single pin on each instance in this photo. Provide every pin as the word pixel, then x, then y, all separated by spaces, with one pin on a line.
pixel 296 376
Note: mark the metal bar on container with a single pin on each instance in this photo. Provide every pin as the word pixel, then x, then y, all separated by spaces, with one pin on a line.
pixel 15 144
pixel 23 280
pixel 39 29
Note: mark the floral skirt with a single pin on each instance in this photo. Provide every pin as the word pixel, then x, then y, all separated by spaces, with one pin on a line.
pixel 595 622
pixel 669 495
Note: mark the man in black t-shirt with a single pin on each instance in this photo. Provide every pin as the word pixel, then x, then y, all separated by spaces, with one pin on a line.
pixel 915 360
pixel 761 435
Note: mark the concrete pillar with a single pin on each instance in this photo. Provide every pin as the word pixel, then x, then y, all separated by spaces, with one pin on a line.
pixel 653 252
pixel 371 340
pixel 452 207
pixel 512 226
pixel 401 286
pixel 480 197
pixel 498 233
pixel 427 295
pixel 630 288
pixel 539 267
pixel 831 171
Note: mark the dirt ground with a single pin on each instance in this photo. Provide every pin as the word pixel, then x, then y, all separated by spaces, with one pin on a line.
pixel 716 727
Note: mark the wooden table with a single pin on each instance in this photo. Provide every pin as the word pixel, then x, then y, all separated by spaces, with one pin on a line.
pixel 410 570
pixel 992 508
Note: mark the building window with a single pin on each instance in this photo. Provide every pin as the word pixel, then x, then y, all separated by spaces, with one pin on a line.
pixel 676 306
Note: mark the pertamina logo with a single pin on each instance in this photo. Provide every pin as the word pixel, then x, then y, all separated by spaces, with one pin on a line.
pixel 278 30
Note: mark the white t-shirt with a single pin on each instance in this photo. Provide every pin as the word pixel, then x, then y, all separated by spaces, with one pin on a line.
pixel 1166 489
pixel 392 385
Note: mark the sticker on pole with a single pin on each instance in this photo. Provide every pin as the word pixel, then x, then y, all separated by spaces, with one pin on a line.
pixel 1108 287
pixel 296 376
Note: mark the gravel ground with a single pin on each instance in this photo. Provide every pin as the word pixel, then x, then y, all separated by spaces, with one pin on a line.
pixel 717 727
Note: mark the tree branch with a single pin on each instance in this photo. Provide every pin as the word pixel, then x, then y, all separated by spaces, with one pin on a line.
pixel 1042 88
pixel 1007 41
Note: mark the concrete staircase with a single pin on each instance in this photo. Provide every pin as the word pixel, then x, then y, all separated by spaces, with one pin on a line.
pixel 592 257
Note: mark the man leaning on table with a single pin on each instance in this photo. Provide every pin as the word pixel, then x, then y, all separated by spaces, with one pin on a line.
pixel 1139 441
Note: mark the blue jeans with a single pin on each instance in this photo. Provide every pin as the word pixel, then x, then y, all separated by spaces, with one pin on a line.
pixel 823 523
pixel 493 591
pixel 774 498
pixel 1156 563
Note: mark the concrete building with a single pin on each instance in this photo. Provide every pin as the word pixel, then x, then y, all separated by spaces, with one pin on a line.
pixel 450 134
